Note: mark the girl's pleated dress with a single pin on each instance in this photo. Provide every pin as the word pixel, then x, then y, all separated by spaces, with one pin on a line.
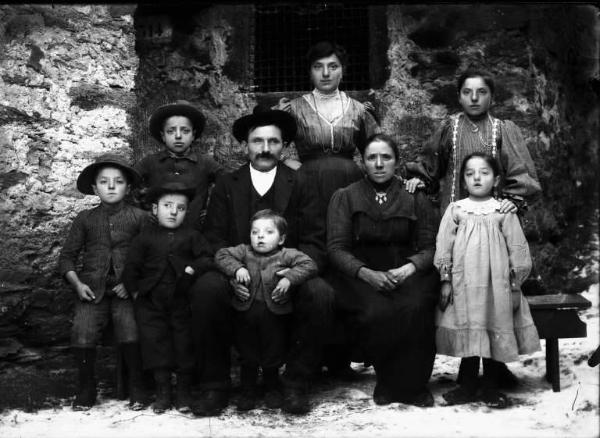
pixel 486 255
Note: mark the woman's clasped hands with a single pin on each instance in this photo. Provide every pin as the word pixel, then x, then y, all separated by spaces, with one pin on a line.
pixel 386 280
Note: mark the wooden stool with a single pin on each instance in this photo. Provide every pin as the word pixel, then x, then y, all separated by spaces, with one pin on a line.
pixel 556 317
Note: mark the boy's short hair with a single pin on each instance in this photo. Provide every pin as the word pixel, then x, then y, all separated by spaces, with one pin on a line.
pixel 278 220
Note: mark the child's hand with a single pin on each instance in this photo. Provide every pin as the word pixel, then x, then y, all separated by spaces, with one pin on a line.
pixel 280 293
pixel 446 295
pixel 84 292
pixel 120 291
pixel 242 276
pixel 239 290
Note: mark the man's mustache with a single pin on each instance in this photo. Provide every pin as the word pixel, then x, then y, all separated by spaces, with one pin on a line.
pixel 265 155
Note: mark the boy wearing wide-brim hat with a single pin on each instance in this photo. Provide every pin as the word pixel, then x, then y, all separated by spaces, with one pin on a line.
pixel 162 263
pixel 102 236
pixel 175 126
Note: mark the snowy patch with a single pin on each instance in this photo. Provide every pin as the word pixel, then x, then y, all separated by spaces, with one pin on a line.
pixel 347 410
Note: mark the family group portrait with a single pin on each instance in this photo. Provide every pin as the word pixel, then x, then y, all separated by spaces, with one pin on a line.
pixel 299 219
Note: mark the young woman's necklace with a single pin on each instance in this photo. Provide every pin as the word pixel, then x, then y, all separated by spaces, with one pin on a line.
pixel 326 98
pixel 476 129
pixel 456 133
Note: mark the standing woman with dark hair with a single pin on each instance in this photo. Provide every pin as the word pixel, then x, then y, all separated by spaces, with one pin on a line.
pixel 331 126
pixel 476 130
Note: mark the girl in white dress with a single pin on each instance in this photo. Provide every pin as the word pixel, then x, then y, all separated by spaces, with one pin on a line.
pixel 483 258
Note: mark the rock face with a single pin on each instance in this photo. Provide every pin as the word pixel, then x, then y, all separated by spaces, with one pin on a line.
pixel 76 81
pixel 66 94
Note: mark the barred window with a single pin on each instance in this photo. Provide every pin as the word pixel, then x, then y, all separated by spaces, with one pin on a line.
pixel 284 33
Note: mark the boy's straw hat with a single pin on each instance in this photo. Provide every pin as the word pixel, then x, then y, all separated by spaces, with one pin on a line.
pixel 87 177
pixel 155 192
pixel 263 116
pixel 178 108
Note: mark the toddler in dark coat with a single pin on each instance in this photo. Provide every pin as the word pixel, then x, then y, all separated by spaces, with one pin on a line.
pixel 161 265
pixel 269 271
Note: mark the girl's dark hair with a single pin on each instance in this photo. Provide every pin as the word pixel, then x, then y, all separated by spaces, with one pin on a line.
pixel 380 137
pixel 486 76
pixel 278 220
pixel 324 49
pixel 491 161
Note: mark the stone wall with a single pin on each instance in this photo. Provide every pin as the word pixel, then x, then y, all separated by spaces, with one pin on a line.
pixel 545 59
pixel 79 80
pixel 66 92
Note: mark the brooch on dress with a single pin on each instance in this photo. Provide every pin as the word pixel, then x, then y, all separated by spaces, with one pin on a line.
pixel 380 197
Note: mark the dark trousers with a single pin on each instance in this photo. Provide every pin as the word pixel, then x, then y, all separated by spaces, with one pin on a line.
pixel 313 310
pixel 164 319
pixel 395 330
pixel 260 336
pixel 212 328
pixel 91 319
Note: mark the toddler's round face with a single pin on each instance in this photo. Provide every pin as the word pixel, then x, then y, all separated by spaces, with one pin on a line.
pixel 170 210
pixel 264 236
pixel 178 134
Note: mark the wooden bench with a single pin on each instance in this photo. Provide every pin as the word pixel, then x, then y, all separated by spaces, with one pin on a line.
pixel 556 317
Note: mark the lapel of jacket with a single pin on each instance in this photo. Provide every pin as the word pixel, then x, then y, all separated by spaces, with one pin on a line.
pixel 283 185
pixel 240 205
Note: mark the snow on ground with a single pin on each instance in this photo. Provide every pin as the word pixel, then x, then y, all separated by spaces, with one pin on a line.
pixel 347 410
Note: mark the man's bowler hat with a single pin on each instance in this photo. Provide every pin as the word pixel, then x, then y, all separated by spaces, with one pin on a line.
pixel 263 116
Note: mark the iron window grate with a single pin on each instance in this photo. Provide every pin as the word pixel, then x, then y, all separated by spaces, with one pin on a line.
pixel 283 35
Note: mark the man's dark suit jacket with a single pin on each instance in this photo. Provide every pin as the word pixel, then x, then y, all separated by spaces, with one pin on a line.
pixel 228 217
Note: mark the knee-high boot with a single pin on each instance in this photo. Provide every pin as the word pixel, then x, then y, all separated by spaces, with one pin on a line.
pixel 86 394
pixel 133 361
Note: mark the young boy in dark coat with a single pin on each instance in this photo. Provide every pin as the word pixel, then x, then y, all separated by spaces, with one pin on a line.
pixel 268 270
pixel 176 126
pixel 102 236
pixel 161 265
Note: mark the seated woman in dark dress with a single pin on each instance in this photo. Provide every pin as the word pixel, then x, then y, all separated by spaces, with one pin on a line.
pixel 381 241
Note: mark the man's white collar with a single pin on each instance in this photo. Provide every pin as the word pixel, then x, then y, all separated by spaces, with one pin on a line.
pixel 262 181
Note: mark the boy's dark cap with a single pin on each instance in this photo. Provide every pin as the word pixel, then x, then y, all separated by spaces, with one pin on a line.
pixel 87 177
pixel 177 108
pixel 263 116
pixel 155 193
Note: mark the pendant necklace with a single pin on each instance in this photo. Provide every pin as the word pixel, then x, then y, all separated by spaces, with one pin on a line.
pixel 476 129
pixel 316 93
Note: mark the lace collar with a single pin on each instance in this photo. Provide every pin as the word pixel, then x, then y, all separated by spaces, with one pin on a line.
pixel 479 208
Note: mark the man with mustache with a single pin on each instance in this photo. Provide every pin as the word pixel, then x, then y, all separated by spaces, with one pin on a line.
pixel 263 183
